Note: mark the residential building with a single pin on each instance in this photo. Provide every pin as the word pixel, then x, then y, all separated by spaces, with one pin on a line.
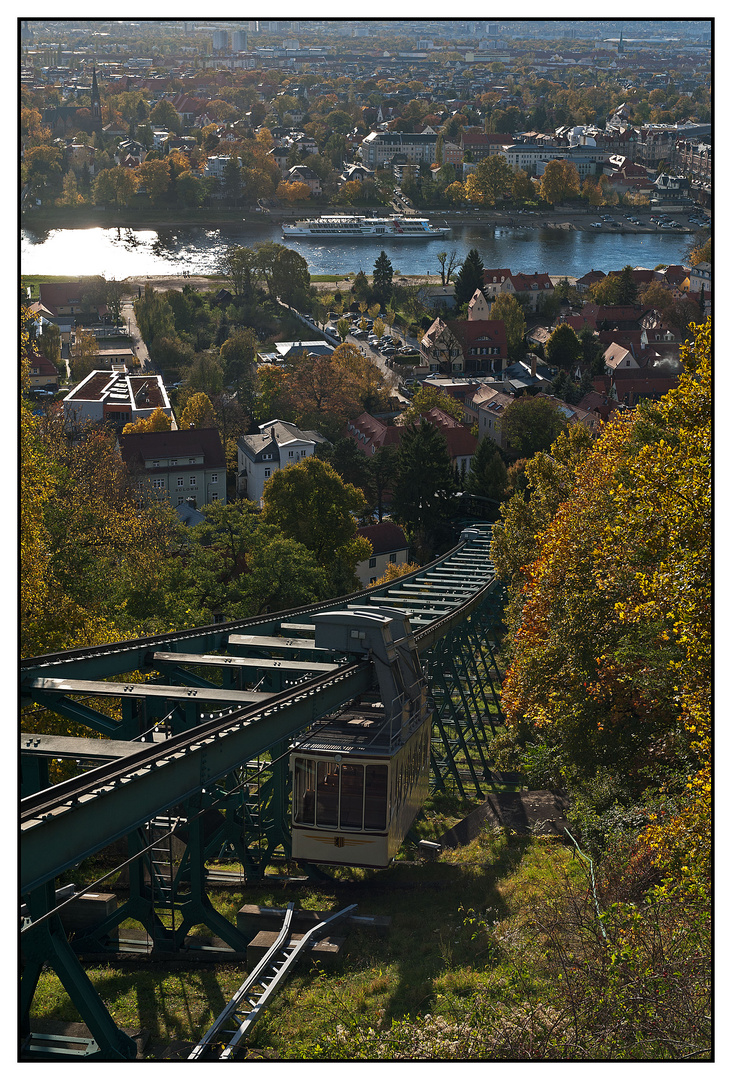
pixel 68 298
pixel 184 466
pixel 389 545
pixel 290 350
pixel 379 147
pixel 115 397
pixel 42 373
pixel 529 287
pixel 486 408
pixel 469 346
pixel 259 457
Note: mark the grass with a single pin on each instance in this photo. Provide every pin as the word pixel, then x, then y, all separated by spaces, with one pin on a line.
pixel 435 954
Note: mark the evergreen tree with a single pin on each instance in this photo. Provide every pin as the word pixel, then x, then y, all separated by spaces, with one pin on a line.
pixel 383 277
pixel 423 492
pixel 488 474
pixel 469 277
pixel 627 290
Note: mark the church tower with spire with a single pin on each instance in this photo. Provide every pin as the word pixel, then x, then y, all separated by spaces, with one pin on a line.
pixel 96 102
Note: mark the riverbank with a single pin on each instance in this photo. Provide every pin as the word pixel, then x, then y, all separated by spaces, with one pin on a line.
pixel 578 218
pixel 163 282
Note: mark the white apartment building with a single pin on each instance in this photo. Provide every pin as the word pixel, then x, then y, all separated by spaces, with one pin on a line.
pixel 260 456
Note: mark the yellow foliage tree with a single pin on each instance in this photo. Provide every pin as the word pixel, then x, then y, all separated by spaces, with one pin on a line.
pixel 198 412
pixel 156 421
pixel 611 645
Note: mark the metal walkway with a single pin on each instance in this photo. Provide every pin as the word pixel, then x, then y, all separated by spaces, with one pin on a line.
pixel 223 1039
pixel 196 726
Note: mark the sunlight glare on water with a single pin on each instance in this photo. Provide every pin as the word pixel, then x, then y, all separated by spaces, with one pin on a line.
pixel 171 250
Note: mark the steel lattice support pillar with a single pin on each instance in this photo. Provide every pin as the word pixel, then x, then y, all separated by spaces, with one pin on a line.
pixel 464 679
pixel 44 944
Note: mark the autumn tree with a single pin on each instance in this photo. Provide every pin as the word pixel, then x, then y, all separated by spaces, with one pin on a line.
pixel 84 352
pixel 609 687
pixel 156 421
pixel 115 186
pixel 198 413
pixel 560 181
pixel 492 179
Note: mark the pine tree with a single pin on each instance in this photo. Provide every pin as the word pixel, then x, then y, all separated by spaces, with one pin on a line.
pixel 383 277
pixel 469 277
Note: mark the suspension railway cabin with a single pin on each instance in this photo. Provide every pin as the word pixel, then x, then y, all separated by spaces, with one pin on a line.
pixel 358 784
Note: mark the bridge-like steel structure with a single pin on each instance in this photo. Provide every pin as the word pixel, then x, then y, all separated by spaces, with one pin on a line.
pixel 187 760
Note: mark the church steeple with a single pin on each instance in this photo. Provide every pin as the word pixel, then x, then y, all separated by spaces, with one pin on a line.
pixel 96 101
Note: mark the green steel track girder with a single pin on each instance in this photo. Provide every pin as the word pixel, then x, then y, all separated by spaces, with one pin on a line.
pixel 54 841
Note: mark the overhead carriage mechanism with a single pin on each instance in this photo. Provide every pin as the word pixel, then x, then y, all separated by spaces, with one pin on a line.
pixel 359 780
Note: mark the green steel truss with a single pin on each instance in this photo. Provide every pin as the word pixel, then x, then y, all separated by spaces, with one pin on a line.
pixel 192 763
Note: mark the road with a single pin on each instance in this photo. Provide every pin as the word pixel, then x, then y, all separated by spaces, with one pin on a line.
pixel 128 316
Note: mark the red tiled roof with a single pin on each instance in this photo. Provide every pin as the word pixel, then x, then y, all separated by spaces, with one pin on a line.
pixel 384 537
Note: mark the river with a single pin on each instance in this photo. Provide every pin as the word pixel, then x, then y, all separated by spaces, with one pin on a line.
pixel 170 251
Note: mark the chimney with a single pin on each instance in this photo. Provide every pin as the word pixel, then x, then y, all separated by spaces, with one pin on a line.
pixel 533 365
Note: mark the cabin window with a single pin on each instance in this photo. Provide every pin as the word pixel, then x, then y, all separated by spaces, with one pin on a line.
pixel 352 796
pixel 327 800
pixel 375 804
pixel 304 794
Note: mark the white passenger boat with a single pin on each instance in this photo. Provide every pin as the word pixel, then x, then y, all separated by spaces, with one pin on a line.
pixel 354 226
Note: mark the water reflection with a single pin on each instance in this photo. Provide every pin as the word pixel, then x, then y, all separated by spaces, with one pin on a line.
pixel 170 250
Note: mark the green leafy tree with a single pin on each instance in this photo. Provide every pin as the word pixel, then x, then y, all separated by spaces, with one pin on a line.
pixel 290 276
pixel 240 566
pixel 627 290
pixel 531 424
pixel 507 308
pixel 564 348
pixel 431 397
pixel 310 503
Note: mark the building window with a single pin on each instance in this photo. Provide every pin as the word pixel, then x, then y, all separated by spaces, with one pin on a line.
pixel 372 563
pixel 158 483
pixel 214 478
pixel 214 496
pixel 180 481
pixel 180 500
pixel 292 453
pixel 155 464
pixel 392 557
pixel 174 461
pixel 267 473
pixel 191 481
pixel 191 461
